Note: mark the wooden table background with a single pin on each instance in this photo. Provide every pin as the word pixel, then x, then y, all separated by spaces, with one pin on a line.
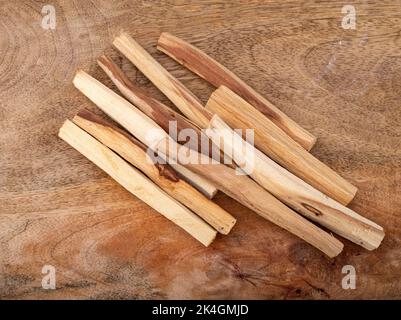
pixel 57 208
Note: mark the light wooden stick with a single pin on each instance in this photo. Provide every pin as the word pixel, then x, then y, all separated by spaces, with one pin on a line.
pixel 163 175
pixel 136 183
pixel 295 192
pixel 188 104
pixel 213 72
pixel 271 140
pixel 240 187
pixel 200 183
pixel 159 112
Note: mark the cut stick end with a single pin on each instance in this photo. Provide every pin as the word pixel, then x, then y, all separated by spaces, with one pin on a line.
pixel 164 38
pixel 352 191
pixel 227 229
pixel 375 240
pixel 79 76
pixel 121 38
pixel 311 143
pixel 165 34
pixel 335 250
pixel 333 247
pixel 65 124
pixel 212 193
pixel 208 241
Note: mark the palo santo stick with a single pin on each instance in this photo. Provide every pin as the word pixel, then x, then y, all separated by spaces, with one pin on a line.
pixel 163 175
pixel 240 187
pixel 295 192
pixel 188 104
pixel 272 141
pixel 213 72
pixel 159 112
pixel 136 183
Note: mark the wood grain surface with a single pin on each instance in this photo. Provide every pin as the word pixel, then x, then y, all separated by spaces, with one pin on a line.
pixel 57 208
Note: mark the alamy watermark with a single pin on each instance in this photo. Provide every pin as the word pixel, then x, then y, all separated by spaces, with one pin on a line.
pixel 49 278
pixel 349 20
pixel 349 280
pixel 49 17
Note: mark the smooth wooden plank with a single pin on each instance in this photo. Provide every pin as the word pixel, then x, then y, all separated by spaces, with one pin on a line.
pixel 161 174
pixel 212 71
pixel 272 141
pixel 136 183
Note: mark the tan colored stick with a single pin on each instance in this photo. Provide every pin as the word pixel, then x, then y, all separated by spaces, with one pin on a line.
pixel 191 108
pixel 271 140
pixel 295 192
pixel 163 175
pixel 159 112
pixel 213 72
pixel 188 104
pixel 240 187
pixel 136 183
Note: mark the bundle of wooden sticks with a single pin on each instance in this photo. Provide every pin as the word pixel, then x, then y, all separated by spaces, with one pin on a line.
pixel 287 185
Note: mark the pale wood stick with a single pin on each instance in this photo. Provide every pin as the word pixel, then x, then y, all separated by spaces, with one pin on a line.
pixel 201 183
pixel 295 192
pixel 163 175
pixel 272 141
pixel 160 113
pixel 136 183
pixel 213 72
pixel 240 187
pixel 185 100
